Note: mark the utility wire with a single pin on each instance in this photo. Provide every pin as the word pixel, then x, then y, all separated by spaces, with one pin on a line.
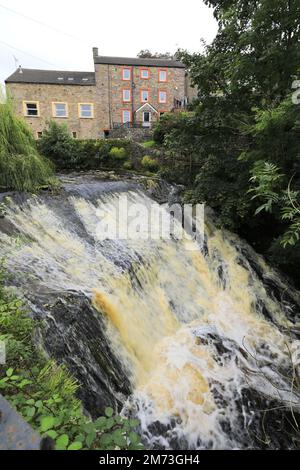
pixel 24 52
pixel 44 24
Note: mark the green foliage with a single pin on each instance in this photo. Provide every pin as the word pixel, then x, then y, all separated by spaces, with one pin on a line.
pixel 57 144
pixel 52 409
pixel 127 166
pixel 21 167
pixel 267 179
pixel 148 144
pixel 24 172
pixel 168 122
pixel 118 153
pixel 146 53
pixel 268 188
pixel 244 126
pixel 44 393
pixel 149 163
pixel 91 154
pixel 254 56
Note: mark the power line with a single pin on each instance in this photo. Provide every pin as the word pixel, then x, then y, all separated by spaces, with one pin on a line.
pixel 24 52
pixel 43 24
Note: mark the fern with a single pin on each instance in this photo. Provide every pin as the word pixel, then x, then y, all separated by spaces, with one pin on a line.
pixel 266 177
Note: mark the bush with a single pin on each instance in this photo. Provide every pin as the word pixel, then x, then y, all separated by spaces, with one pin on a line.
pixel 91 154
pixel 149 163
pixel 167 123
pixel 21 166
pixel 127 166
pixel 148 144
pixel 58 145
pixel 119 153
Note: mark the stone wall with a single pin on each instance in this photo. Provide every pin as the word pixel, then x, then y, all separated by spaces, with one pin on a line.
pixel 86 128
pixel 137 135
pixel 106 96
pixel 112 75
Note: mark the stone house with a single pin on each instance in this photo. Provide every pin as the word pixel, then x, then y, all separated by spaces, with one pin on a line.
pixel 122 91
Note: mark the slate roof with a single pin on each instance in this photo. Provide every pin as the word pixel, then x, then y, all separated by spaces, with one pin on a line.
pixel 138 61
pixel 57 77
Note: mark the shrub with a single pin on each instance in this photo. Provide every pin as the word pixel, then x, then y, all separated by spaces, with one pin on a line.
pixel 119 153
pixel 68 153
pixel 127 166
pixel 21 166
pixel 149 163
pixel 92 153
pixel 58 145
pixel 148 144
pixel 167 123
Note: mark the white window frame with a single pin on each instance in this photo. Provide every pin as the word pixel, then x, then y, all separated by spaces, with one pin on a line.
pixel 150 116
pixel 126 111
pixel 25 109
pixel 147 72
pixel 123 95
pixel 148 94
pixel 54 109
pixel 166 74
pixel 123 77
pixel 159 98
pixel 80 110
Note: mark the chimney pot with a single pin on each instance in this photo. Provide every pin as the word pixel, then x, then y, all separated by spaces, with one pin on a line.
pixel 95 51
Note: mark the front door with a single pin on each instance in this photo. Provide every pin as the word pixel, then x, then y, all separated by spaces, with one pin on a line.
pixel 146 119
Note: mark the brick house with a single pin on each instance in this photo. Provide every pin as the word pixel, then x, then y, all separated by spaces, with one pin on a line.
pixel 120 92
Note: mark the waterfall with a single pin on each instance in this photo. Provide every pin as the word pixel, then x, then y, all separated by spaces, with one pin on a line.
pixel 201 345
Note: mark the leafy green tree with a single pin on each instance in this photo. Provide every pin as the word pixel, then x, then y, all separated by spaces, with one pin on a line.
pixel 147 54
pixel 58 145
pixel 21 166
pixel 244 120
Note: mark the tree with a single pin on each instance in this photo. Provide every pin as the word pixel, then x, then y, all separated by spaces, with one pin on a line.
pixel 147 54
pixel 255 53
pixel 244 115
pixel 57 145
pixel 21 166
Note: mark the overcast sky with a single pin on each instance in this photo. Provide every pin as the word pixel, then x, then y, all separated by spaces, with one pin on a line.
pixel 64 31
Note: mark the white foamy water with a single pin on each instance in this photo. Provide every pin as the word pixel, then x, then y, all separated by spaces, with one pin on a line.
pixel 191 327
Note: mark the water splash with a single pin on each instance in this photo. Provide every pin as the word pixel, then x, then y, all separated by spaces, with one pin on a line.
pixel 196 330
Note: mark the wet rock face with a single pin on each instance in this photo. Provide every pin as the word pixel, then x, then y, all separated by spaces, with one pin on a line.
pixel 73 333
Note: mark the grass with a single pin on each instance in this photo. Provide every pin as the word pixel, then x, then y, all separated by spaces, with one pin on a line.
pixel 21 166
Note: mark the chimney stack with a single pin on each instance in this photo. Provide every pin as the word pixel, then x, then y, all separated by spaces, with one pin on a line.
pixel 95 52
pixel 20 69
